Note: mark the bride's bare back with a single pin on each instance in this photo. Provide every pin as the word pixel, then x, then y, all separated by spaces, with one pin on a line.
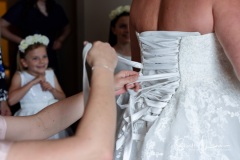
pixel 203 16
pixel 177 15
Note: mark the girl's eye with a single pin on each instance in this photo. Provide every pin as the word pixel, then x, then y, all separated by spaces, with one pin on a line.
pixel 35 58
pixel 123 26
pixel 45 56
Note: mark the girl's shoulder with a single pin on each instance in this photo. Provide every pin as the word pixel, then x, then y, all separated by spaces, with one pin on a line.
pixel 19 73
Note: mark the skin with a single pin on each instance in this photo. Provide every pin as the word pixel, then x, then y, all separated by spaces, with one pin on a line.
pixel 9 35
pixel 36 62
pixel 4 109
pixel 100 115
pixel 204 16
pixel 121 30
pixel 50 120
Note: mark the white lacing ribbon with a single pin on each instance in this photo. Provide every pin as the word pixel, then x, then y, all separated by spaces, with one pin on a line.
pixel 153 103
pixel 160 61
pixel 86 48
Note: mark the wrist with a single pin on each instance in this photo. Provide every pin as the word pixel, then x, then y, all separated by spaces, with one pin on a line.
pixel 60 40
pixel 19 40
pixel 31 83
pixel 102 66
pixel 52 90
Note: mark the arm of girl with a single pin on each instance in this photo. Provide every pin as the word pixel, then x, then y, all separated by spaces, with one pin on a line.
pixel 57 91
pixel 100 116
pixel 4 109
pixel 57 116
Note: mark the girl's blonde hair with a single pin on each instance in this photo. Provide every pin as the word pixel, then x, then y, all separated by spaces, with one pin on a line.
pixel 29 43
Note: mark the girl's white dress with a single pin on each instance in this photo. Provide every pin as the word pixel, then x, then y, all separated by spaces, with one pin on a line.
pixel 189 104
pixel 36 99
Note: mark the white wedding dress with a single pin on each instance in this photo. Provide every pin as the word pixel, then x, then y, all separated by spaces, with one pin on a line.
pixel 189 104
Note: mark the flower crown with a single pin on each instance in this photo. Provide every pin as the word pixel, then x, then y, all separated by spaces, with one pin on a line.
pixel 119 10
pixel 30 40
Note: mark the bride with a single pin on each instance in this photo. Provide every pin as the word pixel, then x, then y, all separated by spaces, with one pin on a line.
pixel 188 107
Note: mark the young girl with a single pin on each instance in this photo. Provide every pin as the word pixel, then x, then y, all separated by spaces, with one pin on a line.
pixel 34 85
pixel 94 138
pixel 30 17
pixel 119 37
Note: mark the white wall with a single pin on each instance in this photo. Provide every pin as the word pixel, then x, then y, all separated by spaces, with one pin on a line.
pixel 96 21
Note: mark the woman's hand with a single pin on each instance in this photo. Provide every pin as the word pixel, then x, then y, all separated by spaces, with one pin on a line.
pixel 57 45
pixel 4 109
pixel 102 54
pixel 125 80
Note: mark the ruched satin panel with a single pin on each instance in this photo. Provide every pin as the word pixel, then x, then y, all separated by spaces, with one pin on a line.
pixel 159 79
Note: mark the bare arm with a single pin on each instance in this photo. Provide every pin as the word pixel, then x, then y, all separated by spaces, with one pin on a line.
pixel 95 135
pixel 57 91
pixel 58 42
pixel 226 18
pixel 16 91
pixel 47 122
pixel 6 33
pixel 100 109
pixel 4 109
pixel 61 114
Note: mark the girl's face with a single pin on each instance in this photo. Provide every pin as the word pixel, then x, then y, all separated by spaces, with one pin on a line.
pixel 121 30
pixel 36 61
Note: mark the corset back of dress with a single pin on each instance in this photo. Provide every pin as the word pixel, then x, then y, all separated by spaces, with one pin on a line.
pixel 188 97
pixel 204 111
pixel 202 60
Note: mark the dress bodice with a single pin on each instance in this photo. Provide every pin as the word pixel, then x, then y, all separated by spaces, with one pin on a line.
pixel 36 97
pixel 188 106
pixel 189 91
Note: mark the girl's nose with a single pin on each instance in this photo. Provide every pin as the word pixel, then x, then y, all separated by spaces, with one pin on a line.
pixel 42 60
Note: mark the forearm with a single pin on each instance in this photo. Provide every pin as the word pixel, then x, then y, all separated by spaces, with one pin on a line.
pixel 4 109
pixel 100 114
pixel 65 33
pixel 62 114
pixel 10 36
pixel 47 122
pixel 46 150
pixel 18 127
pixel 58 94
pixel 16 95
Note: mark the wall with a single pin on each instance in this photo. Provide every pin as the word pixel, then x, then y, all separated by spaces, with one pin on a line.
pixel 4 43
pixel 68 54
pixel 96 18
pixel 89 21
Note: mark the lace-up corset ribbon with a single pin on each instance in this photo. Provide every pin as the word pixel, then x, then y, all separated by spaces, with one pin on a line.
pixel 159 79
